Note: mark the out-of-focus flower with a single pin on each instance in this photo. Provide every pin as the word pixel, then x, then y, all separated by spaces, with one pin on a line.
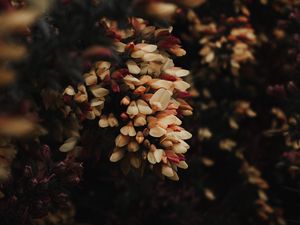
pixel 13 21
pixel 232 36
pixel 145 98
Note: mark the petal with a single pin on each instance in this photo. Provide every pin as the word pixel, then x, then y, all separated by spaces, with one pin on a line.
pixel 181 147
pixel 96 102
pixel 158 153
pixel 169 120
pixel 145 79
pixel 112 120
pixel 122 140
pixel 69 90
pixel 158 83
pixel 143 107
pixel 117 155
pixel 151 158
pixel 167 171
pixel 137 54
pixel 120 47
pixel 150 57
pixel 90 79
pixel 174 177
pixel 139 137
pixel 140 121
pixel 181 85
pixel 157 131
pixel 125 101
pixel 160 99
pixel 133 67
pixel 128 130
pixel 103 65
pixel 166 143
pixel 69 144
pixel 176 71
pixel 103 122
pixel 146 47
pixel 132 109
pixel 140 90
pixel 99 91
pixel 183 135
pixel 132 79
pixel 182 165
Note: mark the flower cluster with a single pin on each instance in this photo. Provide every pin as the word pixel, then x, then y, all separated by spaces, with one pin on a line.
pixel 149 93
pixel 231 36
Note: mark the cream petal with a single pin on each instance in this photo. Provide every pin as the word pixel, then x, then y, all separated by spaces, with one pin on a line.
pixel 146 47
pixel 90 79
pixel 125 101
pixel 103 122
pixel 96 102
pixel 133 67
pixel 112 121
pixel 79 97
pixel 117 155
pixel 69 91
pixel 166 143
pixel 182 165
pixel 158 153
pixel 152 121
pixel 167 171
pixel 103 65
pixel 174 177
pixel 137 54
pixel 143 107
pixel 160 99
pixel 122 140
pixel 151 158
pixel 104 74
pixel 132 79
pixel 158 83
pixel 176 71
pixel 181 147
pixel 157 131
pixel 128 130
pixel 139 137
pixel 98 110
pixel 132 109
pixel 168 64
pixel 145 79
pixel 183 135
pixel 169 120
pixel 181 85
pixel 99 91
pixel 140 121
pixel 150 57
pixel 120 47
pixel 69 144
